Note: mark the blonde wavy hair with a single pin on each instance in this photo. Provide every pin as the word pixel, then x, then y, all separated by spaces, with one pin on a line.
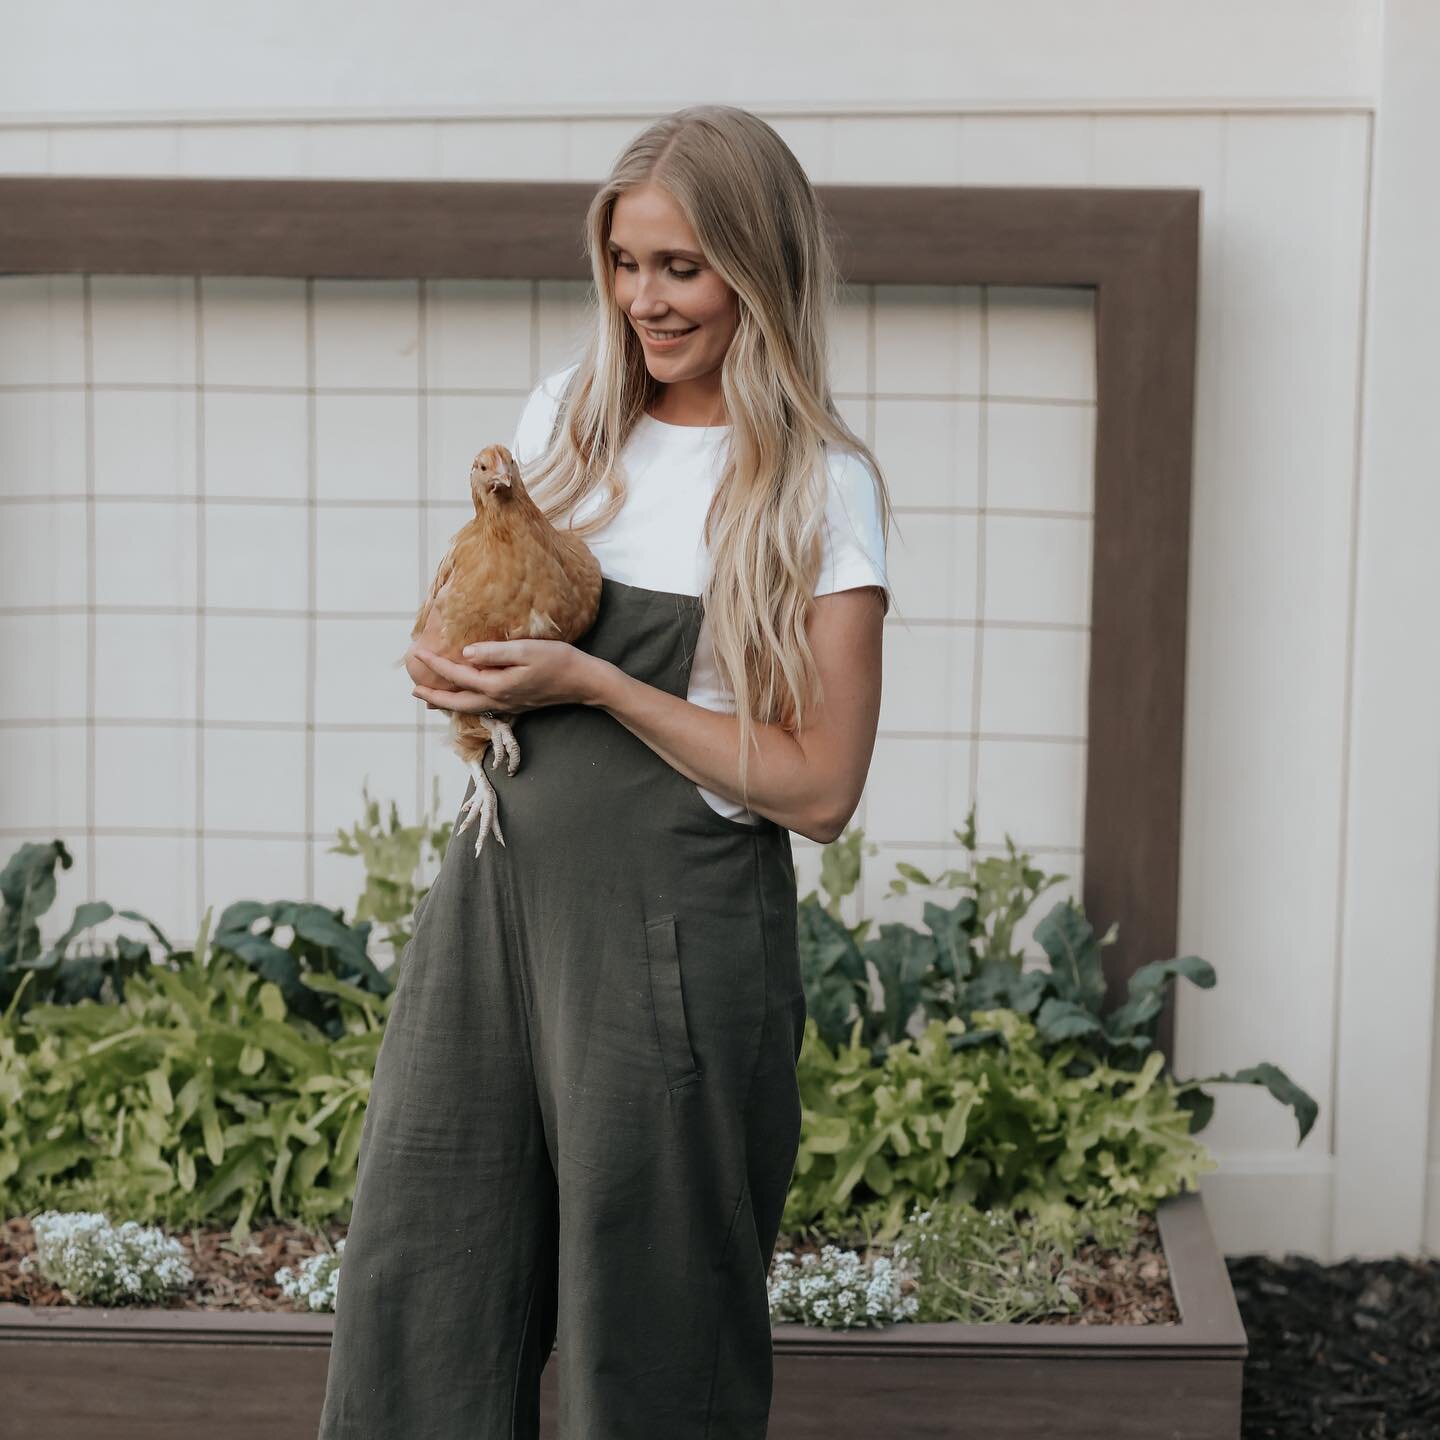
pixel 761 227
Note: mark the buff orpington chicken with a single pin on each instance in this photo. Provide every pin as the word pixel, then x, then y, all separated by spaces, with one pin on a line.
pixel 509 574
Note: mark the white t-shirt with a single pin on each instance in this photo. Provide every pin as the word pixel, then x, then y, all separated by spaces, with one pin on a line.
pixel 656 540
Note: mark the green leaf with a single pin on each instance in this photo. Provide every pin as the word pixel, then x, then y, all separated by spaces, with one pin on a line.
pixel 827 1135
pixel 1076 972
pixel 1279 1084
pixel 952 1137
pixel 210 1129
pixel 272 1001
pixel 159 1086
pixel 1151 976
pixel 913 872
pixel 878 1175
pixel 1065 1020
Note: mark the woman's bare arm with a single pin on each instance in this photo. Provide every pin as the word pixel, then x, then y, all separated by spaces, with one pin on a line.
pixel 809 783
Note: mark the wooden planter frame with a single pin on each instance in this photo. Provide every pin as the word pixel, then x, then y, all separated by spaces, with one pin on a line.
pixel 1138 249
pixel 164 1375
pixel 153 1374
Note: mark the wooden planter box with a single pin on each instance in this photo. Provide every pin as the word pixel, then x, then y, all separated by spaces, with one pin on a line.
pixel 149 1374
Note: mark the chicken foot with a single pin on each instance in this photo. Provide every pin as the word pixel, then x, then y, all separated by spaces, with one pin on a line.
pixel 484 803
pixel 500 730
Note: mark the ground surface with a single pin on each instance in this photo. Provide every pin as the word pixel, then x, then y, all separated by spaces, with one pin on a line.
pixel 1348 1351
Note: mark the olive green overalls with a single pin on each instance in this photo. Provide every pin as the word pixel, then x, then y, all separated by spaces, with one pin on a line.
pixel 585 1107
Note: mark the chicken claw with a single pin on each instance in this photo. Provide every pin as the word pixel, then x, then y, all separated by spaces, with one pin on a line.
pixel 484 803
pixel 500 730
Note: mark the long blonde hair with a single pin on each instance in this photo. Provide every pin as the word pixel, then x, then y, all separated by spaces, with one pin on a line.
pixel 761 227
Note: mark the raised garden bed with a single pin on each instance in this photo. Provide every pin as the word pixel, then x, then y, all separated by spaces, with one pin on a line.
pixel 172 1374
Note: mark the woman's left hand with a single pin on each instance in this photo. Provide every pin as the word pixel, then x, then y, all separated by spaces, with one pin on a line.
pixel 509 676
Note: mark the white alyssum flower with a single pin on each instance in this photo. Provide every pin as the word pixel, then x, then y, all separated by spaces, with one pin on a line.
pixel 315 1282
pixel 98 1263
pixel 836 1289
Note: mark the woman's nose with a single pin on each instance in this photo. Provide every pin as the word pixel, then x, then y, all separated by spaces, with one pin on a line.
pixel 647 303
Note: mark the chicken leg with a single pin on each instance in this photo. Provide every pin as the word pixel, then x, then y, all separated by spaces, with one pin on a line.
pixel 500 730
pixel 484 803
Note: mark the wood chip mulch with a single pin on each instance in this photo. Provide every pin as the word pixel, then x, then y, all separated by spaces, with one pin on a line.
pixel 1349 1351
pixel 226 1277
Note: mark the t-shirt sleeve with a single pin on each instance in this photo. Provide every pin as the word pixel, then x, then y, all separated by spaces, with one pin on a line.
pixel 538 416
pixel 854 546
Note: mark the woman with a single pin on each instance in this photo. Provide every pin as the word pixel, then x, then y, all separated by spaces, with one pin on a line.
pixel 584 1114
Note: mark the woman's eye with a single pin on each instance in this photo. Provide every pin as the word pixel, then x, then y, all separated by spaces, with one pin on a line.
pixel 678 274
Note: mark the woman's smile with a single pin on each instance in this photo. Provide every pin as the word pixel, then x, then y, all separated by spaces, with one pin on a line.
pixel 665 339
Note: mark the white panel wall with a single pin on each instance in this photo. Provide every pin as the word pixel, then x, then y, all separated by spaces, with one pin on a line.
pixel 226 496
pixel 1295 617
pixel 564 55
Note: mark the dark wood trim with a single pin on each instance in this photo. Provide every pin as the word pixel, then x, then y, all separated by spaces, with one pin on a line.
pixel 164 1374
pixel 1138 249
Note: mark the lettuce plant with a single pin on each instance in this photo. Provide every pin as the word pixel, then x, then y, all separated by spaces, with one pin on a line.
pixel 1006 1121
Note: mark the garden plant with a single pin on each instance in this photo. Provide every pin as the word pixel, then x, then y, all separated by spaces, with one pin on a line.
pixel 967 1119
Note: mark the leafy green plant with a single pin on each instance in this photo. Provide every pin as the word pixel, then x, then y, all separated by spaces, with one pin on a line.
pixel 964 962
pixel 199 1096
pixel 1005 1121
pixel 280 941
pixel 68 970
pixel 392 854
pixel 319 944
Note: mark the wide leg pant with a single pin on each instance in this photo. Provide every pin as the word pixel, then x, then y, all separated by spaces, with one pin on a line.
pixel 584 1114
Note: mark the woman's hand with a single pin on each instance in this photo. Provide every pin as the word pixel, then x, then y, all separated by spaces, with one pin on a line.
pixel 509 676
pixel 420 673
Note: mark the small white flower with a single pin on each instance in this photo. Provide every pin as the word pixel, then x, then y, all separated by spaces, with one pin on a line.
pixel 101 1264
pixel 836 1288
pixel 315 1283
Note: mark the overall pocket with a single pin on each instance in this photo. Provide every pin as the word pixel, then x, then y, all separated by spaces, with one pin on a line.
pixel 667 1001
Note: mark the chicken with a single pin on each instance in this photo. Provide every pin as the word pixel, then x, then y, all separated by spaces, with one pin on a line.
pixel 508 574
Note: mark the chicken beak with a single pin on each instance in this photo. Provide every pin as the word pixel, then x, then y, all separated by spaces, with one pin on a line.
pixel 500 480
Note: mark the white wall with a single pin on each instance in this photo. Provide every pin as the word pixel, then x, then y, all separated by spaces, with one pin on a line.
pixel 1310 835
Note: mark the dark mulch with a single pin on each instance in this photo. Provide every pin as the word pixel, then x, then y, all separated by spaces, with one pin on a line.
pixel 1349 1351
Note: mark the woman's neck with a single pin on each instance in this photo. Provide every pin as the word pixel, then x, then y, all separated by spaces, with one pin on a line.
pixel 681 404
